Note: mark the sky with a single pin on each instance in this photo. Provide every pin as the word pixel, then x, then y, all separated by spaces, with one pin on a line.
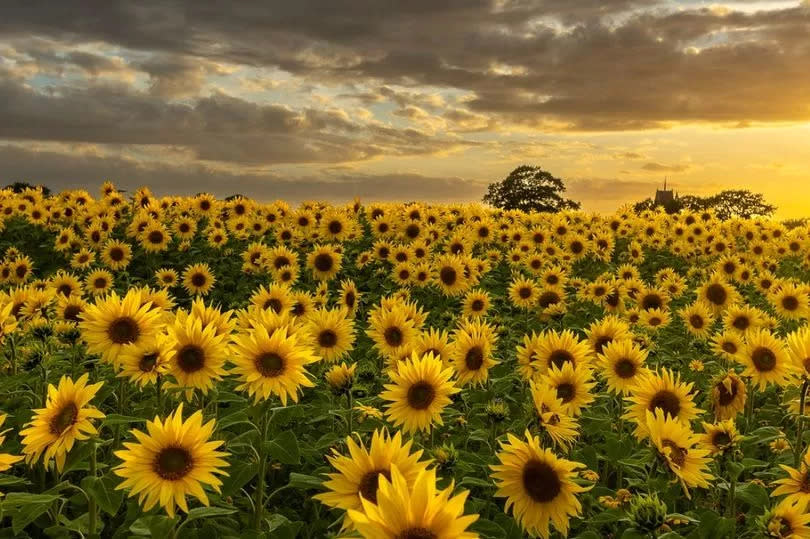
pixel 408 100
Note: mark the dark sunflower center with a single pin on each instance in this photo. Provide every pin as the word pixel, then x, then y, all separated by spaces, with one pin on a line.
pixel 548 298
pixel 147 362
pixel 525 292
pixel 173 463
pixel 764 359
pixel 717 294
pixel 741 322
pixel 116 254
pixel 474 358
pixel 393 336
pixel 412 231
pixel 417 533
pixel 667 401
pixel 729 347
pixel 191 358
pixel 652 301
pixel 273 303
pixel 721 439
pixel 100 283
pixel 350 299
pixel 155 237
pixel 323 262
pixel 625 368
pixel 677 454
pixel 327 338
pixel 72 312
pixel 477 305
pixel 421 395
pixel 601 342
pixel 696 321
pixel 370 482
pixel 198 280
pixel 790 303
pixel 65 289
pixel 448 276
pixel 541 481
pixel 21 271
pixel 281 261
pixel 566 392
pixel 558 358
pixel 123 330
pixel 335 227
pixel 270 364
pixel 724 396
pixel 64 419
pixel 577 247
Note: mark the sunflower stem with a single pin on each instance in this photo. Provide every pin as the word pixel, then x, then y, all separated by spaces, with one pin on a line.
pixel 91 501
pixel 732 485
pixel 797 450
pixel 350 413
pixel 13 347
pixel 158 395
pixel 262 468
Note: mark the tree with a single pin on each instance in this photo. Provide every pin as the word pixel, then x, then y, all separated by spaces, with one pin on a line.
pixel 740 203
pixel 530 189
pixel 19 187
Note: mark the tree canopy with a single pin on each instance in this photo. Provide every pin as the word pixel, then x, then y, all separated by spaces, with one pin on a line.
pixel 726 204
pixel 530 189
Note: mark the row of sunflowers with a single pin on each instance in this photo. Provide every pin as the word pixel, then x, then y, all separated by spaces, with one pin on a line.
pixel 195 367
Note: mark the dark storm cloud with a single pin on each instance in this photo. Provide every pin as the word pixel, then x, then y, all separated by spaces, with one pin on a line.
pixel 59 170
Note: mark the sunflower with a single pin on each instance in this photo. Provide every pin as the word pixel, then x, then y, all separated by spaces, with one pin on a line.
pixel 199 353
pixel 660 391
pixel 476 303
pixel 788 520
pixel 391 331
pixel 610 328
pixel 170 461
pixel 797 484
pixel 450 275
pixel 357 475
pixel 154 237
pixel 717 293
pixel 799 350
pixel 727 345
pixel 65 419
pixel 143 363
pixel 742 319
pixel 436 342
pixel 272 364
pixel 166 277
pixel 113 322
pixel 341 377
pixel 562 428
pixel 349 297
pixel 790 302
pixel 414 512
pixel 66 285
pixel 720 438
pixel 654 319
pixel 81 260
pixel 573 386
pixel 98 282
pixel 766 359
pixel 622 365
pixel 728 395
pixel 198 279
pixel 116 255
pixel 679 447
pixel 275 297
pixel 6 460
pixel 554 349
pixel 523 293
pixel 324 262
pixel 538 486
pixel 420 390
pixel 697 317
pixel 472 351
pixel 331 334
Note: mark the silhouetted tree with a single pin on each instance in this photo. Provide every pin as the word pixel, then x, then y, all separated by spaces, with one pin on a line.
pixel 530 189
pixel 19 187
pixel 740 203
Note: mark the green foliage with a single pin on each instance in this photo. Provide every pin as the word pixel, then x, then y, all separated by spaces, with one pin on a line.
pixel 529 189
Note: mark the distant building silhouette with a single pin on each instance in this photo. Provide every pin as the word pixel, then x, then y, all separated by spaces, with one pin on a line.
pixel 665 196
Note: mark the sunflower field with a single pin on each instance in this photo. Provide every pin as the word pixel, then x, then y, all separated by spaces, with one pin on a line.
pixel 202 368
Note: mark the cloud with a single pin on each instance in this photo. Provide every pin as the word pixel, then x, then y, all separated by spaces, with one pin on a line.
pixel 660 167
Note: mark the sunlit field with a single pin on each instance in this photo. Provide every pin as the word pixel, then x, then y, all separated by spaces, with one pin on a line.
pixel 194 367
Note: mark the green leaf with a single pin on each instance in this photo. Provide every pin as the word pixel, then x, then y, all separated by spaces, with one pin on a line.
pixel 753 495
pixel 102 490
pixel 153 526
pixel 284 448
pixel 282 528
pixel 9 480
pixel 207 512
pixel 238 476
pixel 118 419
pixel 26 508
pixel 302 481
pixel 470 481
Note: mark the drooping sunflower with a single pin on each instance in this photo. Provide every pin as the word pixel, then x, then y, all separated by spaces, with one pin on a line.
pixel 660 391
pixel 113 322
pixel 420 390
pixel 143 363
pixel 272 364
pixel 766 359
pixel 358 473
pixel 622 365
pixel 414 511
pixel 562 428
pixel 340 377
pixel 65 419
pixel 728 395
pixel 680 448
pixel 324 262
pixel 538 486
pixel 331 334
pixel 573 386
pixel 198 279
pixel 472 352
pixel 200 353
pixel 172 460
pixel 720 438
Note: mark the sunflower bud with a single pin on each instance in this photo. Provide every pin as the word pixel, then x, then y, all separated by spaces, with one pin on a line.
pixel 497 410
pixel 648 513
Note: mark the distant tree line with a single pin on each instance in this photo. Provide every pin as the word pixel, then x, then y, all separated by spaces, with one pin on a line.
pixel 726 204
